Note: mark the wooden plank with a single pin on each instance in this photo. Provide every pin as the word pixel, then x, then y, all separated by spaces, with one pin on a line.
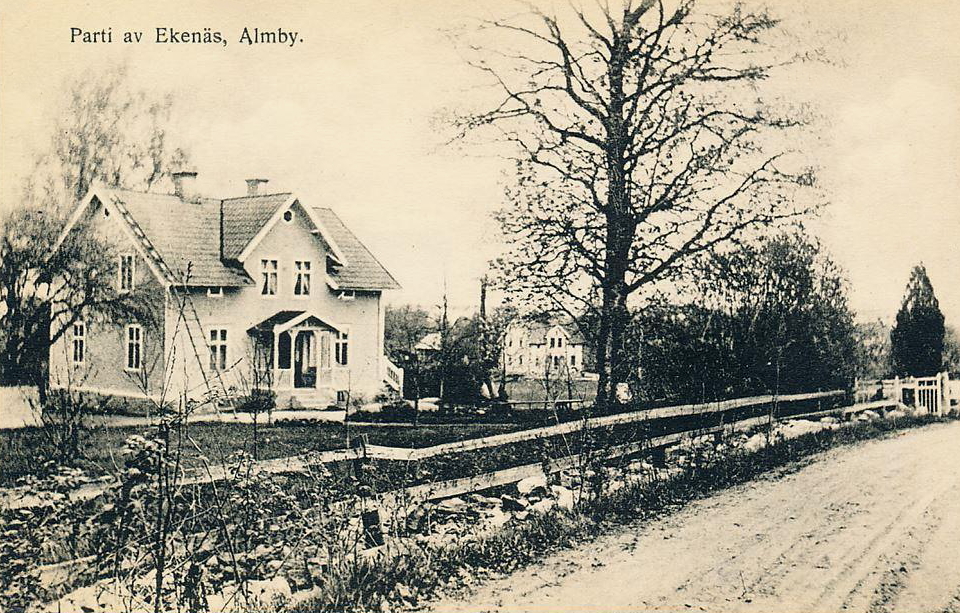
pixel 575 426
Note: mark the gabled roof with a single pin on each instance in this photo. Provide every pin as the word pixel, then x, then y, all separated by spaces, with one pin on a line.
pixel 210 236
pixel 284 320
pixel 183 234
pixel 244 217
pixel 537 332
pixel 362 270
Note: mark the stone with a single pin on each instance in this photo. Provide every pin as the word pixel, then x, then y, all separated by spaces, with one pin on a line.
pixel 513 504
pixel 564 497
pixel 270 590
pixel 452 506
pixel 530 485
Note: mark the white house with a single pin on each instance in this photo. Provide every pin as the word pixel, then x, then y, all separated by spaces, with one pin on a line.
pixel 262 290
pixel 542 349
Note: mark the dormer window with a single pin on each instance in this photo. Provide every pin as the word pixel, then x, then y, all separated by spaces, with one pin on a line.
pixel 127 268
pixel 216 292
pixel 347 294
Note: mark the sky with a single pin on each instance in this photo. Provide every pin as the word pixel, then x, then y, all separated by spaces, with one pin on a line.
pixel 347 117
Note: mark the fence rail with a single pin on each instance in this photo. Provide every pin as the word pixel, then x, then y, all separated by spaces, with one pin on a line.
pixel 686 410
pixel 301 463
pixel 465 485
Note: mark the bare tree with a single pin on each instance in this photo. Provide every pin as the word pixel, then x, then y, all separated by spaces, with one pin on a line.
pixel 639 141
pixel 107 131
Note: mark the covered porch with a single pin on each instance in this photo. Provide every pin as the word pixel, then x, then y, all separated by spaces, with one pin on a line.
pixel 299 353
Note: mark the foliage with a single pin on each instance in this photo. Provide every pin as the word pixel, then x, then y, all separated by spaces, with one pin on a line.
pixel 640 142
pixel 106 132
pixel 917 339
pixel 63 425
pixel 258 401
pixel 765 318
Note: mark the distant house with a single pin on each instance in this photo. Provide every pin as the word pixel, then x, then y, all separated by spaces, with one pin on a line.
pixel 261 290
pixel 538 349
pixel 428 345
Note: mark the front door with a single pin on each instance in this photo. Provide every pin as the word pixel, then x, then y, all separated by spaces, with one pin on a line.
pixel 305 359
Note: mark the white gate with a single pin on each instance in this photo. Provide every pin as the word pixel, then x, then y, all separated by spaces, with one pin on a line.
pixel 928 394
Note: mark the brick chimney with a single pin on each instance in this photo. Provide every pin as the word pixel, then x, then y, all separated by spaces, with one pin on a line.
pixel 185 184
pixel 253 186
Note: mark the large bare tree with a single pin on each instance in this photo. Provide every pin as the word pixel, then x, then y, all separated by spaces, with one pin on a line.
pixel 640 140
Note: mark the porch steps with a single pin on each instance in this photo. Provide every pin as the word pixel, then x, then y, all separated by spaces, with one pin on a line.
pixel 308 401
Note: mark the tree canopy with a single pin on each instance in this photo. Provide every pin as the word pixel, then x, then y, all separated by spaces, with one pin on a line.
pixel 640 142
pixel 917 339
pixel 764 318
pixel 107 131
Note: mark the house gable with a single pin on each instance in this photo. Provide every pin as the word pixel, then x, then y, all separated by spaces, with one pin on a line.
pixel 316 226
pixel 114 225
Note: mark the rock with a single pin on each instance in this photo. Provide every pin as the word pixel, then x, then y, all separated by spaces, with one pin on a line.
pixel 404 592
pixel 531 484
pixel 496 518
pixel 453 506
pixel 212 562
pixel 896 414
pixel 513 504
pixel 543 506
pixel 270 590
pixel 274 565
pixel 563 496
pixel 829 420
pixel 871 415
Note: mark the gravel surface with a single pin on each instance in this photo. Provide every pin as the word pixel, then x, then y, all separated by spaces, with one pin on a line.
pixel 873 527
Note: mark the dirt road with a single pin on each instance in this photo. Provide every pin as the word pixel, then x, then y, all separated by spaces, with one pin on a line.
pixel 873 527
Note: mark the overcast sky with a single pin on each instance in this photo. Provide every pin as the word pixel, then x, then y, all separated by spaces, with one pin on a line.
pixel 344 118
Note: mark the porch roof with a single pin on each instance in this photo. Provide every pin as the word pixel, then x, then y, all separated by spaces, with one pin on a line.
pixel 282 321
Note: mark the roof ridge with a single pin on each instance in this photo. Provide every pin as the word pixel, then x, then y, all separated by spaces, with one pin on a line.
pixel 257 196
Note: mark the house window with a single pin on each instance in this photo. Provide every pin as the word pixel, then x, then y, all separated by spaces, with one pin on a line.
pixel 288 216
pixel 215 291
pixel 521 360
pixel 573 360
pixel 79 342
pixel 347 294
pixel 134 347
pixel 560 342
pixel 556 361
pixel 127 268
pixel 301 284
pixel 218 349
pixel 268 277
pixel 552 343
pixel 341 348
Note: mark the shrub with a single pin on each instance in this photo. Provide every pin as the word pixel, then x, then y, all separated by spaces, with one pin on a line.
pixel 62 423
pixel 258 401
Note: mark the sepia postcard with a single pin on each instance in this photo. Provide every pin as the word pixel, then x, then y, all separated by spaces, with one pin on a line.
pixel 494 305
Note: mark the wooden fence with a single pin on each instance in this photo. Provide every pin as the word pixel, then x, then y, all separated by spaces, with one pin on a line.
pixel 407 496
pixel 301 463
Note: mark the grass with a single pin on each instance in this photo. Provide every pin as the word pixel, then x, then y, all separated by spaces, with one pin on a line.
pixel 22 450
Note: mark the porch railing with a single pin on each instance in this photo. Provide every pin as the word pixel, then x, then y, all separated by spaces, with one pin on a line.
pixel 392 374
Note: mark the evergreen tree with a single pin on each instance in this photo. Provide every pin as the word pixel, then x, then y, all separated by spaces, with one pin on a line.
pixel 917 338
